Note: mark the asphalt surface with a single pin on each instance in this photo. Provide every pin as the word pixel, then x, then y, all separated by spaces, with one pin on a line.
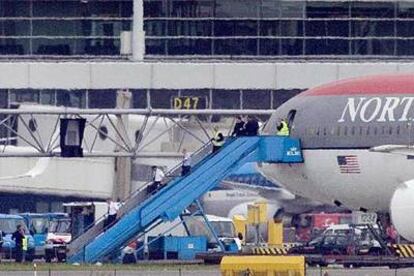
pixel 377 271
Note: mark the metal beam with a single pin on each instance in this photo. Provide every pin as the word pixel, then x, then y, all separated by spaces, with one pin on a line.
pixel 97 154
pixel 69 111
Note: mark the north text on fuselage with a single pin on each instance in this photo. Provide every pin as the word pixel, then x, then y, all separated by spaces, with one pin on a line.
pixel 378 109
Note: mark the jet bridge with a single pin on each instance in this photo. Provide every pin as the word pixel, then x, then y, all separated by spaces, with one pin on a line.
pixel 141 211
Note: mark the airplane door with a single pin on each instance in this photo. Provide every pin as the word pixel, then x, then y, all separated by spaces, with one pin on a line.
pixel 291 117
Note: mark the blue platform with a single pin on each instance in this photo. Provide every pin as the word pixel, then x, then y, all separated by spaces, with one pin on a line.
pixel 180 192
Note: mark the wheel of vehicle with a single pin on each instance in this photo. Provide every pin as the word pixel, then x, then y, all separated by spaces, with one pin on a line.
pixel 48 258
pixel 129 259
pixel 61 258
pixel 29 258
pixel 375 251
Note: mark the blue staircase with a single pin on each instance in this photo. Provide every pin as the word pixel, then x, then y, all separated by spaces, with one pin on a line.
pixel 180 192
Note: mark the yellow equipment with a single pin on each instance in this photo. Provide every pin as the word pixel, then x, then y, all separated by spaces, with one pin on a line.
pixel 257 213
pixel 263 265
pixel 239 222
pixel 275 233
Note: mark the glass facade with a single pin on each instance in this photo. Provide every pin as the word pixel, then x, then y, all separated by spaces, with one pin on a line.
pixel 270 28
pixel 154 98
pixel 223 28
pixel 62 28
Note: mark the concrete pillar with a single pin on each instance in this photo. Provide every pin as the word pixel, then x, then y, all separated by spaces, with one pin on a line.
pixel 138 34
pixel 122 183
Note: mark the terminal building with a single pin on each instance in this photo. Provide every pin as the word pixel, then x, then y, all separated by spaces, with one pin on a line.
pixel 228 54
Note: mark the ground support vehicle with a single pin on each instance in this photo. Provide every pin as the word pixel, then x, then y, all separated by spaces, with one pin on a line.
pixel 38 226
pixel 184 238
pixel 58 237
pixel 397 256
pixel 8 225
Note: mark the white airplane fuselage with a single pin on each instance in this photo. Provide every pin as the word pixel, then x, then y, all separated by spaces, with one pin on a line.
pixel 340 126
pixel 319 178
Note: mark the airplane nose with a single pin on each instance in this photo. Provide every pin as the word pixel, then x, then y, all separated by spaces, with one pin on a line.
pixel 402 209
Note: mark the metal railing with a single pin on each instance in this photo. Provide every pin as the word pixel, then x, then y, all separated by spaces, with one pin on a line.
pixel 135 198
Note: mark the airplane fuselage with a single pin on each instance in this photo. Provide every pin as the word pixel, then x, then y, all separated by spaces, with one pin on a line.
pixel 338 125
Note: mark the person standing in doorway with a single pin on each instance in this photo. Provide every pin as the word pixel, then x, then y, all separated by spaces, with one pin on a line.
pixel 252 127
pixel 186 165
pixel 21 243
pixel 217 140
pixel 238 127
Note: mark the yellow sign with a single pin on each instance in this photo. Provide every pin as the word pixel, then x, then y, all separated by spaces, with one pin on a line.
pixel 189 102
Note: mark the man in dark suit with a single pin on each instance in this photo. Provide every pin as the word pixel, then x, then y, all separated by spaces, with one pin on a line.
pixel 238 127
pixel 251 127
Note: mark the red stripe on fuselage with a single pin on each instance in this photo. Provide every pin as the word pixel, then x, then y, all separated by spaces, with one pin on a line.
pixel 371 85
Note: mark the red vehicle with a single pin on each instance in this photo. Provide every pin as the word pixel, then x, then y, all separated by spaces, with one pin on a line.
pixel 311 225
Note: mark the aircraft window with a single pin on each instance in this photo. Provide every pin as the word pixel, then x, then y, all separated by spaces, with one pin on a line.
pixel 324 131
pixel 333 131
pixel 390 130
pixel 375 130
pixel 353 130
pixel 345 130
pixel 360 130
pixel 398 129
pixel 383 130
pixel 338 131
pixel 368 130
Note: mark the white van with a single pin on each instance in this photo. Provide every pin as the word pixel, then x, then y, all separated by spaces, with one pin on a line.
pixel 341 229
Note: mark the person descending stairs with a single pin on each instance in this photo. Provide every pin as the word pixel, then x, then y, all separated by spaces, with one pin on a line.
pixel 142 211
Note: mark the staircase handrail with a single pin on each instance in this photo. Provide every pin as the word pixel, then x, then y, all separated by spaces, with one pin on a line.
pixel 123 208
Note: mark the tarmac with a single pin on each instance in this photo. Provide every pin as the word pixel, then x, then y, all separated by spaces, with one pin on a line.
pixel 213 271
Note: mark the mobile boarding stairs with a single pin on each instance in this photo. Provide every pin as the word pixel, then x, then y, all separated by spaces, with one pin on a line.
pixel 141 211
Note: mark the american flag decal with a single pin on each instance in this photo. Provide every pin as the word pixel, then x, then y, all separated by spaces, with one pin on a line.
pixel 348 164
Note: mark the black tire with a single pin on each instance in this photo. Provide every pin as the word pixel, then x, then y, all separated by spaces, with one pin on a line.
pixel 48 259
pixel 29 258
pixel 61 258
pixel 129 259
pixel 375 251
